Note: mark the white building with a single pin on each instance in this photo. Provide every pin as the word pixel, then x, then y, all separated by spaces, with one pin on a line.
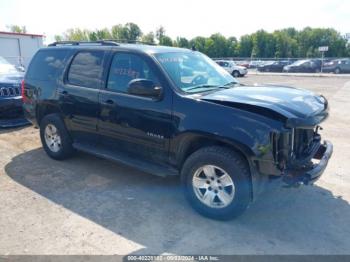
pixel 19 48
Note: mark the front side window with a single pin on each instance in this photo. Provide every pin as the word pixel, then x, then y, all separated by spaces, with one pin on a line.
pixel 86 69
pixel 126 67
pixel 194 72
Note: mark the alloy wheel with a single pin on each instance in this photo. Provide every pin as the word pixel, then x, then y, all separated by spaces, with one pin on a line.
pixel 52 138
pixel 213 186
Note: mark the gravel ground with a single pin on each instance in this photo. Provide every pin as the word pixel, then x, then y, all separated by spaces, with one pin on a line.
pixel 87 205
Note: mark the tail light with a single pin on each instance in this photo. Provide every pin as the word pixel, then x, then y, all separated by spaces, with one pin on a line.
pixel 24 98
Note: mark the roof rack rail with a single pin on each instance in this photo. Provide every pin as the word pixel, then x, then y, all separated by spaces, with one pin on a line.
pixel 126 41
pixel 101 42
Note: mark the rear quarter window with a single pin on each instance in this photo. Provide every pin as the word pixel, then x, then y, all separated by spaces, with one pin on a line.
pixel 46 64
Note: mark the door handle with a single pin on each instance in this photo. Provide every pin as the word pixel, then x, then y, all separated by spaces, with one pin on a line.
pixel 62 92
pixel 108 102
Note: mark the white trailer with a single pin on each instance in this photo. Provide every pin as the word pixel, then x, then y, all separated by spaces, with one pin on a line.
pixel 19 48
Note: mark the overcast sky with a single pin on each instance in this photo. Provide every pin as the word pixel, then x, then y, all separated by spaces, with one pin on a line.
pixel 187 18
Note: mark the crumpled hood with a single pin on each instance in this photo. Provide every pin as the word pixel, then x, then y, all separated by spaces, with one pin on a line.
pixel 292 103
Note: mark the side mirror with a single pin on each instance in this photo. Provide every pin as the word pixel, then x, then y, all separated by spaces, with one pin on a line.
pixel 145 88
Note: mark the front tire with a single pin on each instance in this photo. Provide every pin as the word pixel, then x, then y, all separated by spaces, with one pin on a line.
pixel 236 74
pixel 337 71
pixel 217 184
pixel 55 138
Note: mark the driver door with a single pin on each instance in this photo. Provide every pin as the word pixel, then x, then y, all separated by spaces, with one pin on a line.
pixel 131 124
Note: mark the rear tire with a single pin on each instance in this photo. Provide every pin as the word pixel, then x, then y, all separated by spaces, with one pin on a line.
pixel 55 138
pixel 337 71
pixel 216 182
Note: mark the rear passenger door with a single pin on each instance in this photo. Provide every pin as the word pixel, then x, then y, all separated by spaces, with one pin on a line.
pixel 79 93
pixel 133 124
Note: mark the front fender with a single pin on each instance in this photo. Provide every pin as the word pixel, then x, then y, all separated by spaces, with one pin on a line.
pixel 232 125
pixel 247 132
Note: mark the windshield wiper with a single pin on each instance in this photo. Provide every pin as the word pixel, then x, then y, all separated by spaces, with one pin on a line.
pixel 233 83
pixel 211 87
pixel 202 86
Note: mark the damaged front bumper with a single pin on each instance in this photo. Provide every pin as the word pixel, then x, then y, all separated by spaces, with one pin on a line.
pixel 308 175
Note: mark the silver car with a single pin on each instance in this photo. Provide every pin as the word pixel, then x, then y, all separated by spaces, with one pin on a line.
pixel 232 68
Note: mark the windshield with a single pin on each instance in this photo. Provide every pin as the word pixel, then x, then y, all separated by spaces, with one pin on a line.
pixel 6 67
pixel 194 72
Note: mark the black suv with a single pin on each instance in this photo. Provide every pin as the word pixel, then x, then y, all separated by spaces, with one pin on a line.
pixel 172 111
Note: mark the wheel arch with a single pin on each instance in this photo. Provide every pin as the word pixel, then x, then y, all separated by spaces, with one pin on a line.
pixel 337 68
pixel 235 71
pixel 192 142
pixel 45 109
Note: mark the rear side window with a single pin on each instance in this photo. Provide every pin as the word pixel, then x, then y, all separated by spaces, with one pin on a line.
pixel 46 64
pixel 86 69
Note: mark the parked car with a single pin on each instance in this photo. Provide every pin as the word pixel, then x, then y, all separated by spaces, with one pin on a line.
pixel 304 66
pixel 232 68
pixel 273 66
pixel 338 66
pixel 255 63
pixel 133 104
pixel 11 112
pixel 243 63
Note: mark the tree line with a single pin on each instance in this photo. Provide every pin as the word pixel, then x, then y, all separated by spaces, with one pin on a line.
pixel 284 43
